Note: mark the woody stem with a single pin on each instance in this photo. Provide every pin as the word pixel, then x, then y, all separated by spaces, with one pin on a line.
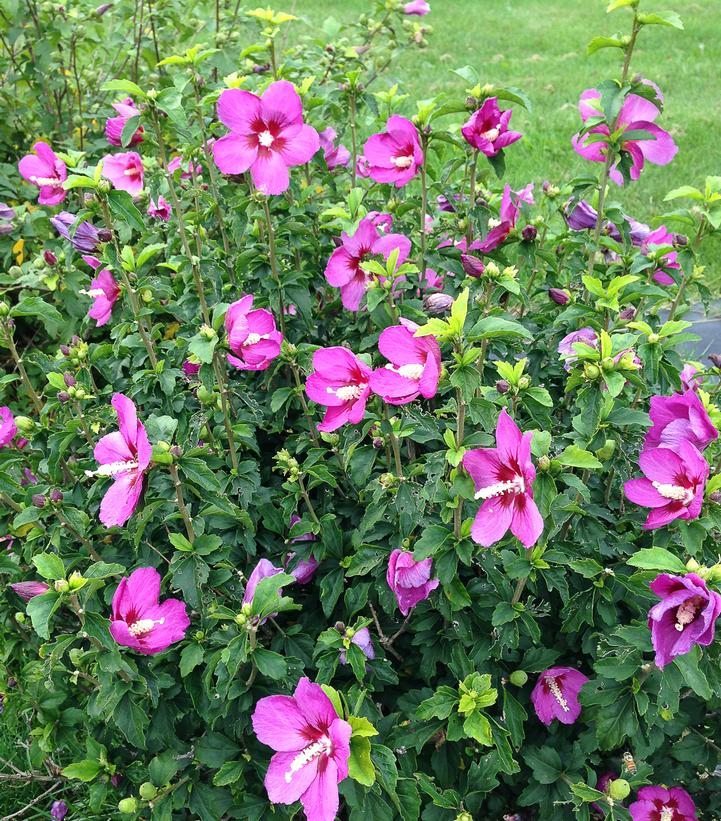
pixel 35 399
pixel 471 202
pixel 518 592
pixel 132 296
pixel 173 470
pixel 306 499
pixel 274 263
pixel 394 445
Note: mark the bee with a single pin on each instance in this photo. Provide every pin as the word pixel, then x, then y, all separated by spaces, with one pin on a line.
pixel 629 763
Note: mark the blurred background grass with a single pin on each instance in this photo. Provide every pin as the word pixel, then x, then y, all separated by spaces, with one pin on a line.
pixel 540 47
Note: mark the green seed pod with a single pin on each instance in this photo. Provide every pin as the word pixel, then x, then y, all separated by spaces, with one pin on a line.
pixel 619 789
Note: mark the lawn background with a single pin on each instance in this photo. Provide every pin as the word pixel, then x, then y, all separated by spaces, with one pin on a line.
pixel 540 47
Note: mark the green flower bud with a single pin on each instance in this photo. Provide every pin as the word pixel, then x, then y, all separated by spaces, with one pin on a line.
pixel 606 452
pixel 591 371
pixel 61 586
pixel 653 338
pixel 619 789
pixel 518 678
pixel 207 332
pixel 24 424
pixel 205 395
pixel 4 309
pixel 76 581
pixel 20 617
pixel 146 295
pixel 464 816
pixel 147 791
pixel 128 805
pixel 608 363
pixel 544 463
pixel 524 382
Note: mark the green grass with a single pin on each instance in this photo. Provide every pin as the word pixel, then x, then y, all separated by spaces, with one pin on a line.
pixel 540 46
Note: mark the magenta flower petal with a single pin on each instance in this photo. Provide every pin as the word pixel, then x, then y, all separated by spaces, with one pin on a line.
pixel 8 428
pixel 409 580
pixel 234 154
pixel 555 695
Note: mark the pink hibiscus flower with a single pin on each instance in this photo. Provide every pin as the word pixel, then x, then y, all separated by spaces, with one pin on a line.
pixel 8 428
pixel 394 155
pixel 636 114
pixel 267 135
pixel 160 210
pixel 663 804
pixel 500 229
pixel 252 335
pixel 47 171
pixel 334 155
pixel 556 695
pixel 503 477
pixel 126 110
pixel 415 365
pixel 103 289
pixel 340 381
pixel 312 749
pixel 124 456
pixel 673 484
pixel 125 171
pixel 344 266
pixel 409 580
pixel 487 129
pixel 138 618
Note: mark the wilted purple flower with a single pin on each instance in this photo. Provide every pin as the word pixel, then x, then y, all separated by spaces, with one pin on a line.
pixel 473 266
pixel 7 215
pixel 159 210
pixel 627 314
pixel 565 347
pixel 28 478
pixel 85 238
pixel 28 590
pixel 59 810
pixel 559 295
pixel 190 369
pixel 50 257
pixel 689 380
pixel 437 303
pixel 444 204
pixel 409 580
pixel 361 638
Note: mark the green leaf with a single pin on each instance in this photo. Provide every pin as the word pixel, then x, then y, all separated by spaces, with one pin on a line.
pixel 129 128
pixel 40 609
pixel 657 558
pixel 190 658
pixel 688 664
pixel 34 306
pixel 602 42
pixel 85 770
pixel 122 205
pixel 619 4
pixel 494 327
pixel 361 727
pixel 126 86
pixel 214 749
pixel 49 566
pixel 360 766
pixel 478 727
pixel 270 664
pixel 576 457
pixel 684 192
pixel 666 18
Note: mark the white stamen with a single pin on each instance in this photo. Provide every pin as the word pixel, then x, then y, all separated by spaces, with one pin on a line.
pixel 93 292
pixel 45 180
pixel 675 492
pixel 666 814
pixel 347 392
pixel 557 694
pixel 686 612
pixel 253 339
pixel 515 485
pixel 265 138
pixel 402 162
pixel 112 469
pixel 491 134
pixel 412 371
pixel 130 172
pixel 320 747
pixel 143 626
pixel 493 223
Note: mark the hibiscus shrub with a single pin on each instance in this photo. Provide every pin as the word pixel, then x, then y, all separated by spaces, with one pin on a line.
pixel 338 476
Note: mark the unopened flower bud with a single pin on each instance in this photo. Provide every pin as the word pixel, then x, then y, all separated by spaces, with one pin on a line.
pixel 100 10
pixel 518 678
pixel 39 500
pixel 653 338
pixel 64 350
pixel 207 332
pixel 529 233
pixel 104 235
pixel 692 566
pixel 56 496
pixel 69 379
pixel 49 257
pixel 608 363
pixel 715 359
pixel 544 463
pixel 61 586
pixel 591 371
pixel 4 309
pixel 147 791
pixel 24 424
pixel 524 382
pixel 339 626
pixel 619 789
pixel 128 805
pixel 473 266
pixel 606 452
pixel 464 816
pixel 437 303
pixel 146 295
pixel 627 314
pixel 76 581
pixel 502 386
pixel 559 295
